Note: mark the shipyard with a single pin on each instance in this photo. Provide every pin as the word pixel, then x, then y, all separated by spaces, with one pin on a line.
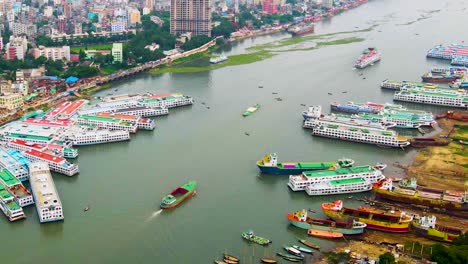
pixel 304 131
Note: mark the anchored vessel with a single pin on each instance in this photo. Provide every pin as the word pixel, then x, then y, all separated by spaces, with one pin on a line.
pixel 368 57
pixel 302 220
pixel 48 204
pixel 310 178
pixel 269 165
pixel 389 221
pixel 251 110
pixel 401 120
pixel 179 195
pixel 15 162
pixel 439 78
pixel 397 85
pixel 250 236
pixel 136 110
pixel 407 191
pixel 219 59
pixel 353 185
pixel 52 148
pixel 10 208
pixel 22 196
pixel 435 97
pixel 92 135
pixel 355 108
pixel 302 29
pixel 382 137
pixel 57 164
pixel 166 100
pixel 111 123
pixel 457 53
pixel 426 226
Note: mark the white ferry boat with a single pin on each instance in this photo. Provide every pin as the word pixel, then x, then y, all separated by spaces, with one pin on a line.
pixel 353 185
pixel 401 121
pixel 166 100
pixel 315 118
pixel 219 59
pixel 15 162
pixel 142 123
pixel 108 123
pixel 22 196
pixel 397 85
pixel 65 110
pixel 300 182
pixel 57 164
pixel 52 148
pixel 435 97
pixel 80 136
pixel 48 204
pixel 368 57
pixel 142 111
pixel 10 208
pixel 381 137
pixel 32 132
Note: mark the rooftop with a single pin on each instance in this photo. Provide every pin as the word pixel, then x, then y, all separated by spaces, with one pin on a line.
pixel 45 122
pixel 45 156
pixel 367 130
pixel 4 194
pixel 12 205
pixel 347 181
pixel 340 171
pixel 7 178
pixel 43 185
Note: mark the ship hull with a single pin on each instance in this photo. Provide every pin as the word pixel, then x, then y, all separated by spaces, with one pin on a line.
pixel 350 110
pixel 303 32
pixel 179 201
pixel 286 171
pixel 387 195
pixel 434 234
pixel 362 141
pixel 304 225
pixel 439 80
pixel 371 224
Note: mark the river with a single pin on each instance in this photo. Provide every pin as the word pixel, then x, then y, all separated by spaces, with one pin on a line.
pixel 123 183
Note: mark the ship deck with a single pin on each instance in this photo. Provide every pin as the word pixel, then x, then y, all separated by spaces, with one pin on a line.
pixel 45 122
pixel 340 171
pixel 4 194
pixel 8 178
pixel 45 156
pixel 119 116
pixel 347 181
pixel 43 185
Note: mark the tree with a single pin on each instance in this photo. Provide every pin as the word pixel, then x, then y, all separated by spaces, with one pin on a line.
pixel 44 41
pixel 225 28
pixel 82 55
pixel 195 42
pixel 386 258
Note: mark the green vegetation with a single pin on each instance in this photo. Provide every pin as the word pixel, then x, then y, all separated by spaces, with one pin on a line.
pixel 225 29
pixel 91 47
pixel 81 72
pixel 195 42
pixel 387 258
pixel 335 258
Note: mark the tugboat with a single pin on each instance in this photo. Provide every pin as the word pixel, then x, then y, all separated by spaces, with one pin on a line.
pixel 179 195
pixel 250 236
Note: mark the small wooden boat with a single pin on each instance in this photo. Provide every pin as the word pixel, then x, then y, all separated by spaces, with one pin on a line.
pixel 232 258
pixel 305 250
pixel 268 260
pixel 230 261
pixel 86 209
pixel 293 251
pixel 219 262
pixel 289 257
pixel 251 110
pixel 309 244
pixel 324 234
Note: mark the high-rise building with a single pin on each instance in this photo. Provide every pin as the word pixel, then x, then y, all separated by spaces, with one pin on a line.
pixel 52 53
pixel 117 52
pixel 191 16
pixel 16 48
pixel 67 8
pixel 61 24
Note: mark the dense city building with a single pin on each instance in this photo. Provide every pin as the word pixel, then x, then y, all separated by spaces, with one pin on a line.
pixel 191 16
pixel 52 53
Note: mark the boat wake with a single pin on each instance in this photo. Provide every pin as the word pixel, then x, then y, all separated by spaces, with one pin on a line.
pixel 154 214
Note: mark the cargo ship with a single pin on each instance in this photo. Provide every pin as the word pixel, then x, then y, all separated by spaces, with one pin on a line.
pixel 407 191
pixel 439 78
pixel 302 220
pixel 179 195
pixel 302 29
pixel 368 57
pixel 426 226
pixel 388 221
pixel 269 165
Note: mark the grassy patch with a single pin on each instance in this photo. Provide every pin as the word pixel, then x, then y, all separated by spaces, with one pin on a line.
pixel 109 69
pixel 91 47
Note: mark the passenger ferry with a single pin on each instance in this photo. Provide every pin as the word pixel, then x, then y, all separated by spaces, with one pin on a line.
pixel 142 111
pixel 142 123
pixel 436 97
pixel 401 121
pixel 343 119
pixel 15 162
pixel 368 57
pixel 381 137
pixel 79 136
pixel 9 207
pixel 65 110
pixel 108 123
pixel 55 149
pixel 166 100
pixel 369 107
pixel 22 196
pixel 353 185
pixel 48 204
pixel 57 164
pixel 219 59
pixel 397 85
pixel 300 182
pixel 32 132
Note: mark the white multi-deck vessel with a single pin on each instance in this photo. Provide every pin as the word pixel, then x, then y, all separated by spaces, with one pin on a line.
pixel 15 187
pixel 353 185
pixel 368 57
pixel 10 208
pixel 142 123
pixel 48 205
pixel 52 148
pixel 79 136
pixel 315 117
pixel 15 162
pixel 108 123
pixel 401 121
pixel 300 182
pixel 56 163
pixel 142 111
pixel 435 97
pixel 167 100
pixel 35 133
pixel 381 137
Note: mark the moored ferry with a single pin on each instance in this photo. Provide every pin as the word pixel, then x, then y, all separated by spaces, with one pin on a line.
pixel 426 226
pixel 401 121
pixel 369 107
pixel 308 178
pixel 439 78
pixel 57 164
pixel 89 136
pixel 353 185
pixel 369 57
pixel 219 59
pixel 166 100
pixel 110 123
pixel 381 137
pixel 142 123
pixel 302 220
pixel 408 191
pixel 143 111
pixel 302 29
pixel 56 149
pixel 48 204
pixel 397 85
pixel 15 162
pixel 388 221
pixel 8 205
pixel 22 196
pixel 436 97
pixel 269 165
